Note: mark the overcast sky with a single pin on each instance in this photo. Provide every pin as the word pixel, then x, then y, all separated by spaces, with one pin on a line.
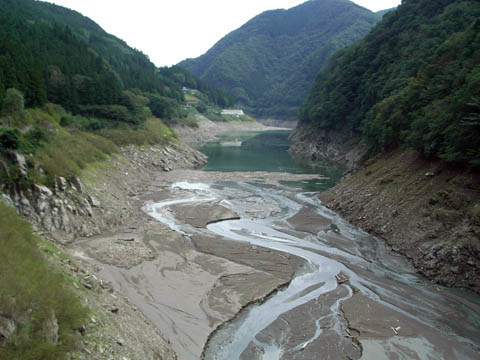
pixel 169 31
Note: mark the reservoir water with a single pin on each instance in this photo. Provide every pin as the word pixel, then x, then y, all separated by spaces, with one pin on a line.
pixel 266 151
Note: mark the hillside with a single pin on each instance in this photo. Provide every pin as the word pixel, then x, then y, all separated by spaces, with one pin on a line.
pixel 413 81
pixel 74 99
pixel 269 63
pixel 401 106
pixel 383 12
pixel 54 54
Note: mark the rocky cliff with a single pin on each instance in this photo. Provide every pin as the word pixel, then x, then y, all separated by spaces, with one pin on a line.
pixel 102 198
pixel 316 146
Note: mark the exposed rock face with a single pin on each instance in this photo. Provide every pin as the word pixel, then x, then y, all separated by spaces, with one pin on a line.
pixel 19 160
pixel 7 329
pixel 315 146
pixel 423 209
pixel 72 209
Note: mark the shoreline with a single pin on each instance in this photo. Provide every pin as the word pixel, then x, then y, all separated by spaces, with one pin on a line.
pixel 208 130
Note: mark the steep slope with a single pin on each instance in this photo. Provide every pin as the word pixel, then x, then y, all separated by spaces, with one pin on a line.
pixel 408 96
pixel 383 12
pixel 270 62
pixel 54 54
pixel 414 81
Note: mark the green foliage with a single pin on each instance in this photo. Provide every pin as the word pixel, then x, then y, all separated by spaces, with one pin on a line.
pixel 53 54
pixel 30 289
pixel 413 81
pixel 13 108
pixel 269 63
pixel 153 132
pixel 10 138
pixel 163 107
pixel 69 153
pixel 214 95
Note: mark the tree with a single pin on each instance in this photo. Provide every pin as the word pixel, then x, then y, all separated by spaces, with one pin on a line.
pixel 13 109
pixel 2 91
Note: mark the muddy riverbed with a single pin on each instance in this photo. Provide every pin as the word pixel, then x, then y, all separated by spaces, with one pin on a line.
pixel 237 266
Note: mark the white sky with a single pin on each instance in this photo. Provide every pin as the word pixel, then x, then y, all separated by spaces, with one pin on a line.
pixel 169 31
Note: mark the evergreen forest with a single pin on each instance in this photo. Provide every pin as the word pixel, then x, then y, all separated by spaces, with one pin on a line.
pixel 413 81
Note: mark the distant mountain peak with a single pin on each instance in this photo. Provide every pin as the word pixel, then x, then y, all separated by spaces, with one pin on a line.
pixel 270 62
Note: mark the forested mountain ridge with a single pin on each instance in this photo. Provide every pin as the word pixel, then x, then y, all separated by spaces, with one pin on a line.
pixel 269 63
pixel 413 81
pixel 52 53
pixel 70 93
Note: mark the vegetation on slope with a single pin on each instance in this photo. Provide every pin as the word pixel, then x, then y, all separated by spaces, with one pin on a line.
pixel 53 54
pixel 33 297
pixel 413 81
pixel 270 63
pixel 106 93
pixel 55 143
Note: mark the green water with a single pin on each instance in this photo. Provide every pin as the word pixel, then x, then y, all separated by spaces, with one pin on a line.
pixel 265 151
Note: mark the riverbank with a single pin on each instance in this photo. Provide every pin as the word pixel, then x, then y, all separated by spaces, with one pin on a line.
pixel 425 210
pixel 102 212
pixel 106 232
pixel 160 259
pixel 102 200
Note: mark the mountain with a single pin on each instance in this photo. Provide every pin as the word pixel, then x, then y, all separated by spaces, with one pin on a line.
pixel 269 63
pixel 54 54
pixel 413 81
pixel 383 12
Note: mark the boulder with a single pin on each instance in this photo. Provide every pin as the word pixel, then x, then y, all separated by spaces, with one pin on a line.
pixel 61 183
pixel 77 184
pixel 19 160
pixel 42 190
pixel 93 201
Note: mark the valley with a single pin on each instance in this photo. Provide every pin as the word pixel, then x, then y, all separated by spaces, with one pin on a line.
pixel 255 270
pixel 308 188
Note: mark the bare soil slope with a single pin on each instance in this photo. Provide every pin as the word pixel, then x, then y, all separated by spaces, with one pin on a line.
pixel 426 210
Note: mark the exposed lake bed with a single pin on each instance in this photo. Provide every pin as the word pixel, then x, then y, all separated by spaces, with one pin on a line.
pixel 280 275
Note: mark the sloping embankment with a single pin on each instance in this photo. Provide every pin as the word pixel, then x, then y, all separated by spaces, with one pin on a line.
pixel 104 198
pixel 425 210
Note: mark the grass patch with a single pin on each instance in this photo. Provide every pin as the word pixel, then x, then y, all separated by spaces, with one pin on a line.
pixel 69 154
pixel 153 132
pixel 188 120
pixel 191 98
pixel 52 150
pixel 30 289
